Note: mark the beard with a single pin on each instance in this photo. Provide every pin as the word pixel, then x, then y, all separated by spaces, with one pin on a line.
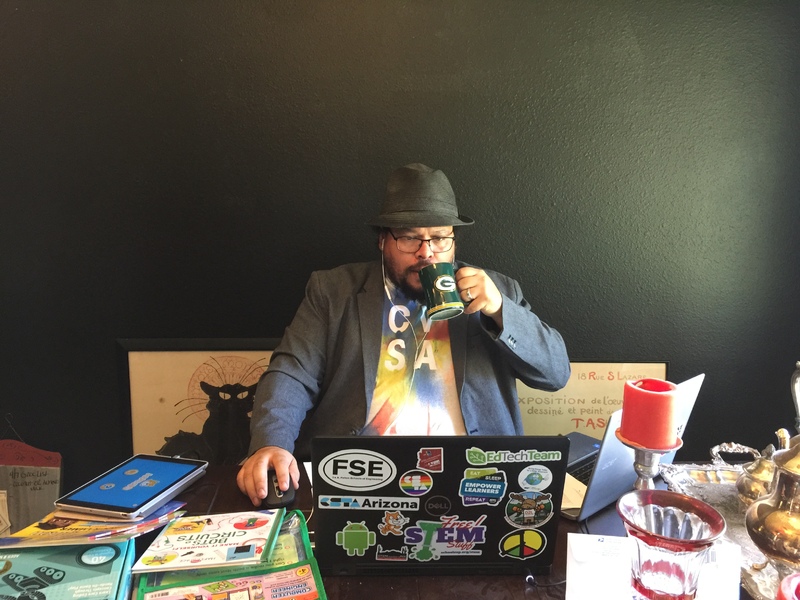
pixel 406 279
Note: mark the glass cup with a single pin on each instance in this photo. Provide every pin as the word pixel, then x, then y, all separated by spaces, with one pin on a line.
pixel 673 534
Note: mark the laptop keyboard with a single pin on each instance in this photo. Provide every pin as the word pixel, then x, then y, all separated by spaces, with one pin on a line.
pixel 582 471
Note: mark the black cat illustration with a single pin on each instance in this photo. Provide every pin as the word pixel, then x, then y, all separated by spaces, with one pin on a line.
pixel 225 437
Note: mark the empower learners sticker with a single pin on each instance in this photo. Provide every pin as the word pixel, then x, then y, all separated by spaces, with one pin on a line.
pixel 482 486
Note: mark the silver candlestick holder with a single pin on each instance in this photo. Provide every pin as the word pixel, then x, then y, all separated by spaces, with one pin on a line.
pixel 646 461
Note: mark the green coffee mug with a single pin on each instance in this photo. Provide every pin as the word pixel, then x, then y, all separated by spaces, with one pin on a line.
pixel 441 295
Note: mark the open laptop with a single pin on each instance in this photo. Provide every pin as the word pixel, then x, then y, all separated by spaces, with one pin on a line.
pixel 603 471
pixel 437 504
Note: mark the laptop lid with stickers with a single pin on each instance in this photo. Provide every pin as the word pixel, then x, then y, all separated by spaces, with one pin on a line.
pixel 445 505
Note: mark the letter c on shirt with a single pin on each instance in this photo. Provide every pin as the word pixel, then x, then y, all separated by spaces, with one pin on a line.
pixel 403 319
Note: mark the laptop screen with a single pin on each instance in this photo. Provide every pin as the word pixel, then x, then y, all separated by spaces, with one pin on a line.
pixel 447 505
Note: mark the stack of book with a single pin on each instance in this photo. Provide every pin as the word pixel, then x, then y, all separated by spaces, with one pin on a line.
pixel 256 555
pixel 70 557
pixel 264 554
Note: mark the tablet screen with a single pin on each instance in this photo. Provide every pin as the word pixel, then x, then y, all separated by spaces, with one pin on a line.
pixel 133 483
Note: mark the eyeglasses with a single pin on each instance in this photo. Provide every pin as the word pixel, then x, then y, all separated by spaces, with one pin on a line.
pixel 410 244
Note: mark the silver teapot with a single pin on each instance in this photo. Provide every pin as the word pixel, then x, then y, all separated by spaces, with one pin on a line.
pixel 773 520
pixel 757 476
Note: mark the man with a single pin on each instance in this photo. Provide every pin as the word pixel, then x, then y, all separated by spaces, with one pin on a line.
pixel 361 358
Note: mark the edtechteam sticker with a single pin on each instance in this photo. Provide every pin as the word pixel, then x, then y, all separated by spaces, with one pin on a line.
pixel 535 478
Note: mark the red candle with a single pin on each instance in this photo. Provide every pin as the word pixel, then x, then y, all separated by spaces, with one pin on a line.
pixel 648 414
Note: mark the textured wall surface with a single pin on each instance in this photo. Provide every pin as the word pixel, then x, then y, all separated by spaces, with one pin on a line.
pixel 176 169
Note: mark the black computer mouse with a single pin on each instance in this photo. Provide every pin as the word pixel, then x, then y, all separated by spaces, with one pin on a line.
pixel 276 498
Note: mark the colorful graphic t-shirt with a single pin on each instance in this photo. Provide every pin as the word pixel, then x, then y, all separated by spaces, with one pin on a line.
pixel 415 389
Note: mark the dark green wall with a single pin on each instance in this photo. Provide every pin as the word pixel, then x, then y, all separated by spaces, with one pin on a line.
pixel 176 169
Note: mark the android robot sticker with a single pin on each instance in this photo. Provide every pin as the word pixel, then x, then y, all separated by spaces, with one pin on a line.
pixel 355 538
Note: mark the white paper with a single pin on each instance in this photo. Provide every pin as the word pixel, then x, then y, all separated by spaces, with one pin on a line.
pixel 600 567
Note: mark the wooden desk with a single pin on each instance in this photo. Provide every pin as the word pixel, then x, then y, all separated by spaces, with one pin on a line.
pixel 217 492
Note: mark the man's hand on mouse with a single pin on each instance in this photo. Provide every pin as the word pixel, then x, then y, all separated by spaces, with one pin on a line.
pixel 252 477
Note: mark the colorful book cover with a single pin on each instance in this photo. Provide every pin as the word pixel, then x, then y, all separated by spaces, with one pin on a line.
pixel 83 572
pixel 290 572
pixel 56 530
pixel 292 547
pixel 200 542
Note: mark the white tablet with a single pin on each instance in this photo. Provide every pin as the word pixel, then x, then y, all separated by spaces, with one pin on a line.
pixel 134 488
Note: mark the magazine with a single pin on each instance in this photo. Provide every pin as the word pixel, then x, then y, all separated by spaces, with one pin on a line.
pixel 227 539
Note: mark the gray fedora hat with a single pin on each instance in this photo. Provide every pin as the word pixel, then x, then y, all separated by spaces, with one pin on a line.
pixel 418 196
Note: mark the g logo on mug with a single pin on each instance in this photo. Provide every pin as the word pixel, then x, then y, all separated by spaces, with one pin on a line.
pixel 445 283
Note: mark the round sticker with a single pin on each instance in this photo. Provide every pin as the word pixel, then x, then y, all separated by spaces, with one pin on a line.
pixel 416 483
pixel 436 506
pixel 522 544
pixel 535 478
pixel 529 509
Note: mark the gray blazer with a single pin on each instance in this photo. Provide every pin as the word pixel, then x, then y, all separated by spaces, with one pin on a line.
pixel 321 377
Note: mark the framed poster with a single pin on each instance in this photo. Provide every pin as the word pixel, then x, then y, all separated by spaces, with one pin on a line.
pixel 193 397
pixel 593 392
